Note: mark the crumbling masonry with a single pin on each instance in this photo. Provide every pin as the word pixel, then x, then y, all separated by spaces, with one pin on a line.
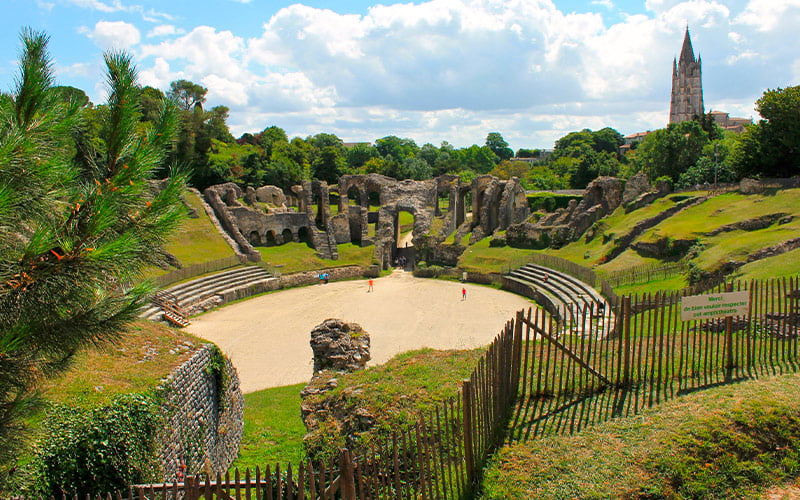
pixel 267 216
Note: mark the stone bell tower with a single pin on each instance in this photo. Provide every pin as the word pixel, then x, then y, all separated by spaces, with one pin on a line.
pixel 687 85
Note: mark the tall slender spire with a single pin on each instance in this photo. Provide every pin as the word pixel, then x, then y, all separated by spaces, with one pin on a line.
pixel 687 86
pixel 687 54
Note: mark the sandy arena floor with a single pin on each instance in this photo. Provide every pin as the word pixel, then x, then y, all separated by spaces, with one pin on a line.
pixel 267 337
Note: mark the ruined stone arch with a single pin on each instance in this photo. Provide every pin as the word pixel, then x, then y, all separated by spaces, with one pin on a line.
pixel 287 235
pixel 254 238
pixel 269 239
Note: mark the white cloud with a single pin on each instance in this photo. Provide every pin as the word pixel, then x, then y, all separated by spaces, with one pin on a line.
pixel 150 15
pixel 455 69
pixel 766 15
pixel 114 34
pixel 163 30
pixel 608 4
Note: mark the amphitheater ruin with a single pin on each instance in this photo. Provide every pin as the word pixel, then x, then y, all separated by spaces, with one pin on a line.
pixel 267 216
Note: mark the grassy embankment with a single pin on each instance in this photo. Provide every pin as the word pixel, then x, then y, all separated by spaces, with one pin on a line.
pixel 395 392
pixel 693 224
pixel 725 442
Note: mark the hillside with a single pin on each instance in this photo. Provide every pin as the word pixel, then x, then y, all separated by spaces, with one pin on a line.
pixel 715 235
pixel 731 441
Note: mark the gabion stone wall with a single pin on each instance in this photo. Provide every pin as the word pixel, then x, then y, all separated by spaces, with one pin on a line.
pixel 204 426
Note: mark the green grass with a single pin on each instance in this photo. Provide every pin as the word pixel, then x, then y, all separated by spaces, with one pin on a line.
pixel 480 257
pixel 136 363
pixel 294 257
pixel 725 442
pixel 395 393
pixel 722 210
pixel 273 430
pixel 197 240
pixel 786 264
pixel 614 226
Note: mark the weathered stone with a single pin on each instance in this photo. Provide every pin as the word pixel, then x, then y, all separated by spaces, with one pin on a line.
pixel 272 195
pixel 339 346
pixel 635 187
pixel 250 195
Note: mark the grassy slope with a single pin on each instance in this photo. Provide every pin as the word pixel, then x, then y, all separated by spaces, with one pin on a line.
pixel 294 257
pixel 693 224
pixel 195 241
pixel 141 358
pixel 724 442
pixel 273 430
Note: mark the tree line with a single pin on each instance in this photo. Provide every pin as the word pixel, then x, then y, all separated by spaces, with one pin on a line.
pixel 688 153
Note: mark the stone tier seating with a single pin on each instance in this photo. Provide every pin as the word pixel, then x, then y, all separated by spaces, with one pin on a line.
pixel 217 289
pixel 565 296
pixel 170 305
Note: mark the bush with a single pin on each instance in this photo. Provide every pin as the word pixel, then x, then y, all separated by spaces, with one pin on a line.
pixel 101 450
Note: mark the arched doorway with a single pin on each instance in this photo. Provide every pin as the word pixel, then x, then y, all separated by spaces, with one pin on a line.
pixel 254 238
pixel 304 235
pixel 287 235
pixel 404 253
pixel 270 239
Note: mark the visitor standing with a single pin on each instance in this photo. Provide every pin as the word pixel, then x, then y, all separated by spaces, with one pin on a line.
pixel 370 286
pixel 463 294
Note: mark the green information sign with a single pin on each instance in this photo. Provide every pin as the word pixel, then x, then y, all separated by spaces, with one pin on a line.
pixel 717 305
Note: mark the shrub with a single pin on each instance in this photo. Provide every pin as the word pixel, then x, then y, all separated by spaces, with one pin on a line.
pixel 100 450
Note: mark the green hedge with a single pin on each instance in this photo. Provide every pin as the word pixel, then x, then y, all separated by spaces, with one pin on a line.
pixel 96 451
pixel 550 201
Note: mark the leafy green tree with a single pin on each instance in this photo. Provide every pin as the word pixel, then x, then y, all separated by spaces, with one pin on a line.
pixel 329 164
pixel 507 169
pixel 499 146
pixel 187 94
pixel 414 168
pixel 270 137
pixel 73 236
pixel 671 151
pixel 528 153
pixel 397 148
pixel 150 100
pixel 359 154
pixel 771 148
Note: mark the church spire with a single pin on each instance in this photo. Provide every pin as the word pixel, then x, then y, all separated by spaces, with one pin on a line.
pixel 687 54
pixel 687 85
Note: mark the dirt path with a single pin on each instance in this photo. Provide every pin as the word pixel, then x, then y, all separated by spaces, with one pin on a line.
pixel 267 337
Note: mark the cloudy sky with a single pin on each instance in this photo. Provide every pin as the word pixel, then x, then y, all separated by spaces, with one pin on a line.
pixel 434 70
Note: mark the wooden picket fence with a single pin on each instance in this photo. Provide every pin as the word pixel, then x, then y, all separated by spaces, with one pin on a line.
pixel 187 272
pixel 539 375
pixel 645 273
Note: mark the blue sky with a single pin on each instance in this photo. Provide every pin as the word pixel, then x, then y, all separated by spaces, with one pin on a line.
pixel 439 70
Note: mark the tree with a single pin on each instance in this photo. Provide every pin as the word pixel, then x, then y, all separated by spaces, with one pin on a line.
pixel 359 154
pixel 499 146
pixel 72 237
pixel 671 151
pixel 329 164
pixel 397 148
pixel 771 148
pixel 187 94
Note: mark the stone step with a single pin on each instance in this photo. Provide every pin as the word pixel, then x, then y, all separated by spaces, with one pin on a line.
pixel 564 294
pixel 574 282
pixel 230 283
pixel 239 272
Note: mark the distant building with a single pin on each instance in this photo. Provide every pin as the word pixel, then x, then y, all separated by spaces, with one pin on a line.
pixel 631 141
pixel 728 122
pixel 687 85
pixel 354 144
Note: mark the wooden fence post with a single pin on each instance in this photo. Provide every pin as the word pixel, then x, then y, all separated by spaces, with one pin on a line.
pixel 625 341
pixel 729 340
pixel 347 475
pixel 466 388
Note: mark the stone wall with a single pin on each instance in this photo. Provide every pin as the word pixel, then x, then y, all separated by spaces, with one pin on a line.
pixel 312 277
pixel 203 427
